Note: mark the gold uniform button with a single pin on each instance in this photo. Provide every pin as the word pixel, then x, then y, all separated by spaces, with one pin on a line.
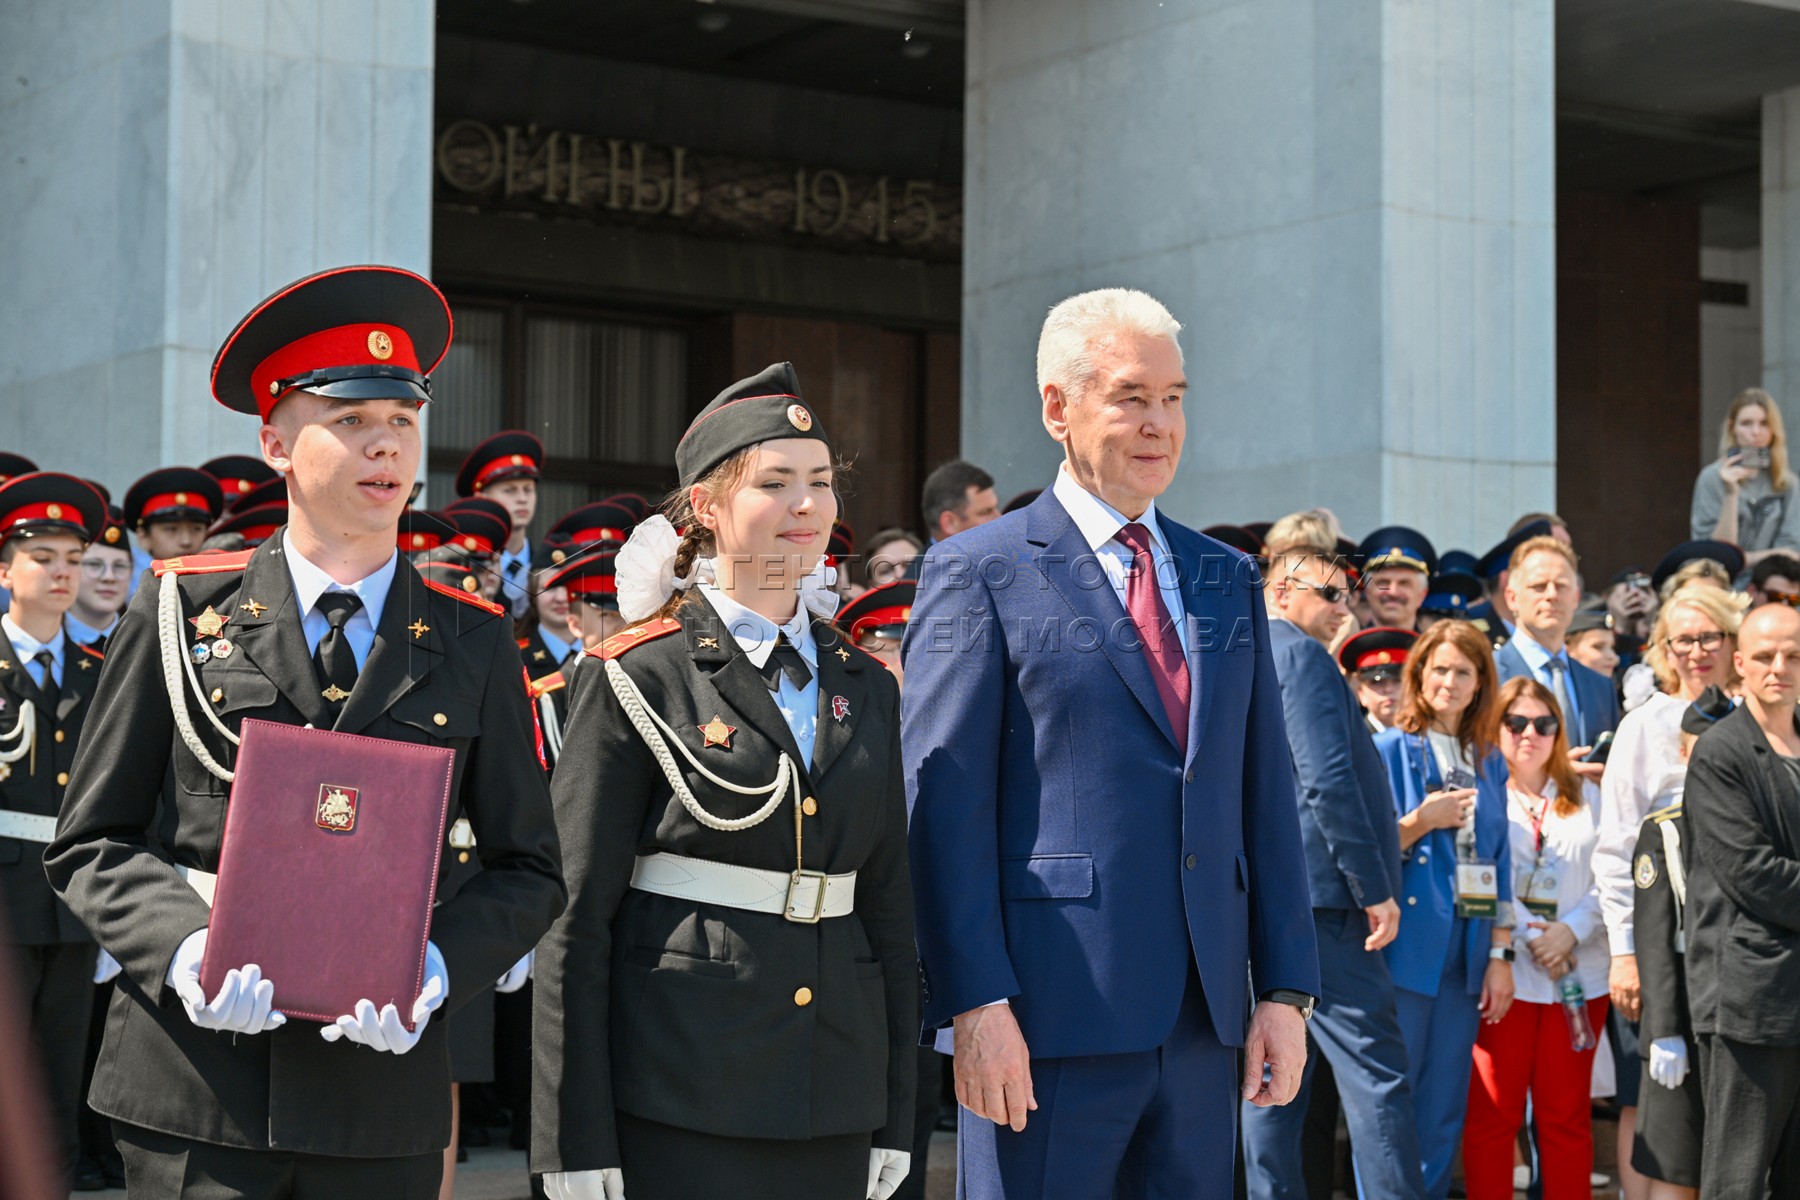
pixel 62 779
pixel 810 807
pixel 60 735
pixel 218 695
pixel 803 997
pixel 439 719
pixel 463 857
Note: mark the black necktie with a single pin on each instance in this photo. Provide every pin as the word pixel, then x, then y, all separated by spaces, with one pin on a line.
pixel 334 660
pixel 785 660
pixel 48 688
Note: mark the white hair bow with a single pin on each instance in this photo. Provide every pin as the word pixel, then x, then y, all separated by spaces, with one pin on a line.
pixel 644 569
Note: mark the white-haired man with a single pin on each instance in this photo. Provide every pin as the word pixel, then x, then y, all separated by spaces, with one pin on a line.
pixel 1104 834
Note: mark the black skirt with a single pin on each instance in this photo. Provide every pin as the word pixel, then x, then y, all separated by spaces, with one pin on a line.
pixel 471 1036
pixel 662 1162
pixel 1669 1122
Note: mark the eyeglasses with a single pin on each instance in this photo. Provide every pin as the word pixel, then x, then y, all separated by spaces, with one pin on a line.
pixel 1330 593
pixel 1545 726
pixel 1686 644
pixel 100 570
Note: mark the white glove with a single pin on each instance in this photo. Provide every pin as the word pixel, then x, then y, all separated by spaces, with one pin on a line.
pixel 887 1170
pixel 106 968
pixel 605 1184
pixel 383 1030
pixel 1668 1061
pixel 245 1003
pixel 517 974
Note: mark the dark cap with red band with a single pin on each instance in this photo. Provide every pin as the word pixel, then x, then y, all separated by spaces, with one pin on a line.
pixel 422 529
pixel 48 502
pixel 238 475
pixel 355 333
pixel 588 578
pixel 255 525
pixel 482 526
pixel 1383 646
pixel 762 408
pixel 602 521
pixel 509 454
pixel 14 464
pixel 882 611
pixel 174 494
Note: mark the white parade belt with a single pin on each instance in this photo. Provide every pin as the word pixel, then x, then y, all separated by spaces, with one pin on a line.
pixel 801 896
pixel 202 882
pixel 27 827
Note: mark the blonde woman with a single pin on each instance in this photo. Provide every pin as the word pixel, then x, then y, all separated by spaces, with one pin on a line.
pixel 1748 496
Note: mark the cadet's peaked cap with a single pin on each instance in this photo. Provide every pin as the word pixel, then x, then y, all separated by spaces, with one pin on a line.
pixel 482 526
pixel 1450 593
pixel 238 475
pixel 1705 712
pixel 256 524
pixel 509 454
pixel 761 408
pixel 48 502
pixel 358 333
pixel 589 577
pixel 1491 564
pixel 421 529
pixel 601 521
pixel 114 533
pixel 14 464
pixel 174 494
pixel 1723 553
pixel 882 611
pixel 1375 648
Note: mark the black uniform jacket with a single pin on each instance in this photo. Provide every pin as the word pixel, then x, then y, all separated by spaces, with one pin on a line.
pixel 30 913
pixel 442 671
pixel 547 678
pixel 1743 930
pixel 1656 920
pixel 692 1014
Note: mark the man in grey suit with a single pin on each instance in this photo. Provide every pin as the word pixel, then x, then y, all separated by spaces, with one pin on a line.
pixel 1542 589
pixel 1352 849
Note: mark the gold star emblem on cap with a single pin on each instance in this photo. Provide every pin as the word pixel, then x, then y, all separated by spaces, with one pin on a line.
pixel 556 556
pixel 53 511
pixel 717 732
pixel 334 693
pixel 253 608
pixel 111 535
pixel 418 540
pixel 799 418
pixel 208 623
pixel 380 344
pixel 518 460
pixel 419 628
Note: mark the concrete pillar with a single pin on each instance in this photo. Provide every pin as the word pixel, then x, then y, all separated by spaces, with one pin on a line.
pixel 1781 250
pixel 1348 203
pixel 167 164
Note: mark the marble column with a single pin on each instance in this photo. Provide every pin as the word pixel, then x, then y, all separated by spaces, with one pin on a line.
pixel 1348 203
pixel 167 164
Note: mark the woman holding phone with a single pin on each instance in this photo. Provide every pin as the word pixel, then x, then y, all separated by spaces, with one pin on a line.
pixel 1748 497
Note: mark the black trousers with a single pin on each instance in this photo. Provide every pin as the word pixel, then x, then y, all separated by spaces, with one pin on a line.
pixel 161 1166
pixel 1752 1142
pixel 57 983
pixel 662 1162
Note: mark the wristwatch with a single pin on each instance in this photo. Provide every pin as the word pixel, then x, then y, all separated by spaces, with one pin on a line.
pixel 1502 953
pixel 1299 1000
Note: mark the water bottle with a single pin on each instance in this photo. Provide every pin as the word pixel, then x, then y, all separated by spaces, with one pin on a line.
pixel 1575 1014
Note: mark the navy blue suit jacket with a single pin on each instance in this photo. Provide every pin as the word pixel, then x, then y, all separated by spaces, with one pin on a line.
pixel 1346 810
pixel 1594 694
pixel 1064 855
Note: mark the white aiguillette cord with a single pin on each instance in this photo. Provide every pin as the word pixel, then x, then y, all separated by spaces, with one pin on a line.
pixel 553 737
pixel 657 735
pixel 24 733
pixel 177 664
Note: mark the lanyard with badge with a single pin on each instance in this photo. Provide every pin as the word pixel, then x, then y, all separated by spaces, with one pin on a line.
pixel 1537 888
pixel 1477 878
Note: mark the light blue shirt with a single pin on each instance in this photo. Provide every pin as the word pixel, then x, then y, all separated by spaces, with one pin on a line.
pixel 1099 523
pixel 85 634
pixel 515 580
pixel 558 648
pixel 755 635
pixel 310 582
pixel 28 648
pixel 1538 659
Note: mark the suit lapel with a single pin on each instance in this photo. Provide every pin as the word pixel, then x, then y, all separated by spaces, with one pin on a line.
pixel 737 680
pixel 840 679
pixel 400 657
pixel 265 626
pixel 1065 550
pixel 1203 626
pixel 81 673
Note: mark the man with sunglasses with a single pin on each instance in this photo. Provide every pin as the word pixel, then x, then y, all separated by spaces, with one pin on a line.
pixel 1775 580
pixel 1353 865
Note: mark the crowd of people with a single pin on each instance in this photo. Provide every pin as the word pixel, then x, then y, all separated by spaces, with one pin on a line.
pixel 1501 782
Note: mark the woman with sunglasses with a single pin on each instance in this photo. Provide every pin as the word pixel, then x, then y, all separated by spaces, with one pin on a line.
pixel 1452 962
pixel 1690 650
pixel 1552 823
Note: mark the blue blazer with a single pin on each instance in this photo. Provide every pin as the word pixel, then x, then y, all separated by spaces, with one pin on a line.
pixel 1428 917
pixel 1064 854
pixel 1346 809
pixel 1594 694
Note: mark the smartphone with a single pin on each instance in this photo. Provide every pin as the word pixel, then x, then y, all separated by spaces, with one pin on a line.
pixel 1602 747
pixel 1756 458
pixel 1458 779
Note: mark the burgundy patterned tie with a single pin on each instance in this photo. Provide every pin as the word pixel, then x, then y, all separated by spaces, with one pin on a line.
pixel 1162 649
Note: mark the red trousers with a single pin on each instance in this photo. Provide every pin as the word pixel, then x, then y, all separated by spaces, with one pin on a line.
pixel 1528 1052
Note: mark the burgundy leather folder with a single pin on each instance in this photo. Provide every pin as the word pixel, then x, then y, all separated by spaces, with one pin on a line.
pixel 328 868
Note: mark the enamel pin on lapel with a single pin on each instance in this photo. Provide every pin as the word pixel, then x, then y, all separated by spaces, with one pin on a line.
pixel 717 732
pixel 840 707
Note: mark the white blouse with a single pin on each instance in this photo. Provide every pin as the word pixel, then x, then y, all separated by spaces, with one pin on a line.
pixel 1568 852
pixel 1644 774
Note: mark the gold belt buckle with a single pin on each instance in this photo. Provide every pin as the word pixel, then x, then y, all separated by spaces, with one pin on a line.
pixel 818 908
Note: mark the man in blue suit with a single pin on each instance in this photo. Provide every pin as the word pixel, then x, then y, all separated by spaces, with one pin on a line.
pixel 1353 864
pixel 1543 589
pixel 1106 857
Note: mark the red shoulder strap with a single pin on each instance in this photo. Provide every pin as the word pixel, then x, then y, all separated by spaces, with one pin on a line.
pixel 637 635
pixel 202 564
pixel 465 597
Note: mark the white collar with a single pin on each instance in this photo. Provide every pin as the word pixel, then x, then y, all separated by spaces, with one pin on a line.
pixel 80 631
pixel 1098 521
pixel 311 582
pixel 755 634
pixel 26 646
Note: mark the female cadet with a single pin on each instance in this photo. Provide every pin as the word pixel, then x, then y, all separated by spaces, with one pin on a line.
pixel 729 1005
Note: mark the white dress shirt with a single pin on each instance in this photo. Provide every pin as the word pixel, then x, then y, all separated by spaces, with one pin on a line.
pixel 311 582
pixel 1099 523
pixel 755 635
pixel 1645 773
pixel 27 648
pixel 1568 849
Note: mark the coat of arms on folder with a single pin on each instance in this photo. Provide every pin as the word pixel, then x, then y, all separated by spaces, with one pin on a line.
pixel 337 808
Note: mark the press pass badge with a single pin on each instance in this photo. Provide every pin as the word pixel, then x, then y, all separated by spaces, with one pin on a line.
pixel 1477 889
pixel 1537 888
